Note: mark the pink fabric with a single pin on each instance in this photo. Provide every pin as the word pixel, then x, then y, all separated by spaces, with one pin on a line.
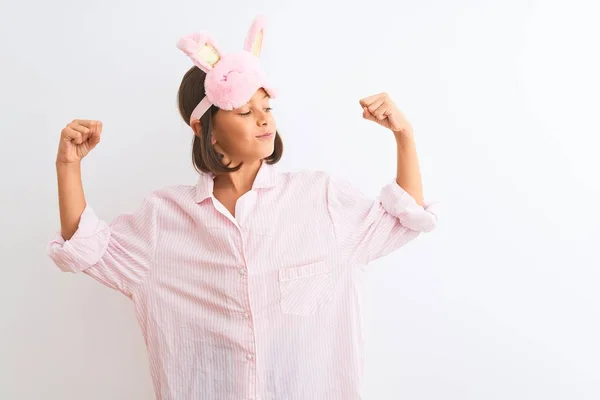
pixel 259 23
pixel 191 45
pixel 200 109
pixel 234 79
pixel 263 306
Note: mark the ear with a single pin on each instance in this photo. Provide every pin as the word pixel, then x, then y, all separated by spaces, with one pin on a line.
pixel 202 49
pixel 197 128
pixel 254 38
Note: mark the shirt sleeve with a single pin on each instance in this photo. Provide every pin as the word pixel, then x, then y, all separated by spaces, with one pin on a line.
pixel 367 229
pixel 118 254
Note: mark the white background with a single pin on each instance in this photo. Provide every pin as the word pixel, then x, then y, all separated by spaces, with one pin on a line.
pixel 500 302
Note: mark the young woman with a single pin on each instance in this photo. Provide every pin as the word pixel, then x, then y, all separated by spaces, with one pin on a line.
pixel 246 285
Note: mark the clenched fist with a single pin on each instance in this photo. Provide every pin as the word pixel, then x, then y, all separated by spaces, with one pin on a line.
pixel 381 109
pixel 77 139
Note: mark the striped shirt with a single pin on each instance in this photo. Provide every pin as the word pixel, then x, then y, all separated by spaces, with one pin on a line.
pixel 263 306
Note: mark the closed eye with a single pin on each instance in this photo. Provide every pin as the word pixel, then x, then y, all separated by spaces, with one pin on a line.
pixel 268 109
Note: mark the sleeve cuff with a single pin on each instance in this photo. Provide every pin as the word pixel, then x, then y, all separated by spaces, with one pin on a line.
pixel 86 246
pixel 403 206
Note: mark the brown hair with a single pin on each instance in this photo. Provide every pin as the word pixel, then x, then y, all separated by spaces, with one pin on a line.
pixel 204 157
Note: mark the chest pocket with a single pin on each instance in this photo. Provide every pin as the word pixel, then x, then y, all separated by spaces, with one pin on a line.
pixel 306 288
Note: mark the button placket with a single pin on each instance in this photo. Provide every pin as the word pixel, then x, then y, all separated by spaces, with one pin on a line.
pixel 245 282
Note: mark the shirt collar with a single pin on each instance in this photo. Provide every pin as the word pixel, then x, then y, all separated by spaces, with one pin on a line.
pixel 266 177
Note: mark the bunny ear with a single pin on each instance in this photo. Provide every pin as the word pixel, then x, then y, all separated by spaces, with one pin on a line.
pixel 202 49
pixel 254 38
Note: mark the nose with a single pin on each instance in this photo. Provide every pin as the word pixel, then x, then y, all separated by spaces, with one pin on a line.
pixel 262 119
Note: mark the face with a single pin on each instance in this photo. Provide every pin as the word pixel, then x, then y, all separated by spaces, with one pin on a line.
pixel 245 134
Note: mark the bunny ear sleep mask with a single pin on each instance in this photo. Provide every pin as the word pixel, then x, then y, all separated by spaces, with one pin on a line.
pixel 231 78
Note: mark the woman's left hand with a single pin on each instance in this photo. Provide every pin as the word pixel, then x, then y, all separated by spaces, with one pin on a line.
pixel 381 109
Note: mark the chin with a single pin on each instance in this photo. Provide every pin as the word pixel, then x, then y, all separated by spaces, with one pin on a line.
pixel 267 151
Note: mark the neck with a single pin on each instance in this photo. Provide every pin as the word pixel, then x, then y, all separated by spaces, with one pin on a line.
pixel 240 181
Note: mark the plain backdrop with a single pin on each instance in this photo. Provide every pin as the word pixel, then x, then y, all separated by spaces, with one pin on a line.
pixel 501 301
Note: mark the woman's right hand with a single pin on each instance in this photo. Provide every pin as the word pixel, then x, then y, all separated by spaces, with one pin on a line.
pixel 77 139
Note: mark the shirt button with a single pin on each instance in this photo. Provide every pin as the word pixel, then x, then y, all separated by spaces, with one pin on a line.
pixel 242 271
pixel 249 356
pixel 246 315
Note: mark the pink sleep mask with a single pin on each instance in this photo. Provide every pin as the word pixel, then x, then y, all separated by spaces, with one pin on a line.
pixel 231 78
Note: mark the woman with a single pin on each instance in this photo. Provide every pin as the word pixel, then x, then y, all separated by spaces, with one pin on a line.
pixel 245 285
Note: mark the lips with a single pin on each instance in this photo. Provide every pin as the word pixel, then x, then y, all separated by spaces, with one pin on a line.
pixel 265 135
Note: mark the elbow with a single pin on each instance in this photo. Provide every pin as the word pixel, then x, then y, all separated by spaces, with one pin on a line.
pixel 432 210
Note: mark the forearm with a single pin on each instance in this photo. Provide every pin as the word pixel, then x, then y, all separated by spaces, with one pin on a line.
pixel 408 173
pixel 71 199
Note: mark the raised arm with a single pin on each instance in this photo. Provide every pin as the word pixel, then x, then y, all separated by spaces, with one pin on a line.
pixel 77 139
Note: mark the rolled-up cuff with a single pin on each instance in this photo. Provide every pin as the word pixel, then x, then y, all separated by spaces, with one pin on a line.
pixel 403 206
pixel 85 248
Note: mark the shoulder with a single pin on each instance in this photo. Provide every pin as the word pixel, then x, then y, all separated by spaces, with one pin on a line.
pixel 318 180
pixel 171 195
pixel 304 177
pixel 305 180
pixel 174 191
pixel 318 177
